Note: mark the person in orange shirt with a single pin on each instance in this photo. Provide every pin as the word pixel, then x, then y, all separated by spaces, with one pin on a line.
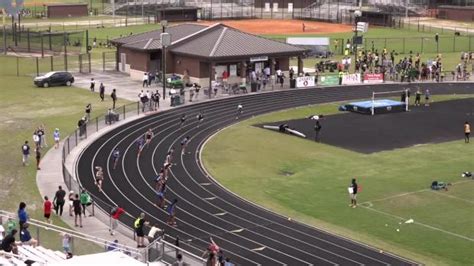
pixel 467 132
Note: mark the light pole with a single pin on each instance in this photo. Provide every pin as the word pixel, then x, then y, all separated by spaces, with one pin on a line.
pixel 165 39
pixel 357 15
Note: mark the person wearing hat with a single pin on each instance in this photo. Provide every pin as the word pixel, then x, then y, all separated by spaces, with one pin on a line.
pixel 56 137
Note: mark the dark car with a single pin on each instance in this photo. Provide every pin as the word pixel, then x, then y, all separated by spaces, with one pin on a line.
pixel 54 79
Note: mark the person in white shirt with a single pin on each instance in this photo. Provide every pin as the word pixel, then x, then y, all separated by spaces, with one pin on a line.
pixel 152 234
pixel 36 139
pixel 145 79
pixel 2 230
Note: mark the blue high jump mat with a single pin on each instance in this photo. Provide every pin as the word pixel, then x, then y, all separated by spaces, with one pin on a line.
pixel 381 106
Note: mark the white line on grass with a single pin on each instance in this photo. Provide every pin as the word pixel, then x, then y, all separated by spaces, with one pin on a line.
pixel 370 202
pixel 421 224
pixel 453 197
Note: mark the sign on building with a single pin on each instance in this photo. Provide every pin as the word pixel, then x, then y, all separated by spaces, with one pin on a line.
pixel 304 82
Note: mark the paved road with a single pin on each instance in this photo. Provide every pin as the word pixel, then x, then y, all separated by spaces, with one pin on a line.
pixel 250 235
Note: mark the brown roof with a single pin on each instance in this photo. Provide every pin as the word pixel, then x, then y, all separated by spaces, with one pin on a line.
pixel 138 41
pixel 222 42
pixel 217 41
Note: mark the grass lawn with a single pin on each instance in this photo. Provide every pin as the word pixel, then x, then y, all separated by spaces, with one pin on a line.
pixel 443 232
pixel 25 107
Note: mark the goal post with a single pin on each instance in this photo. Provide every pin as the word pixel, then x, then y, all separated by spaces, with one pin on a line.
pixel 396 93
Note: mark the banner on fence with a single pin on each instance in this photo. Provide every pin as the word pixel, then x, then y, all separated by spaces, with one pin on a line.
pixel 373 78
pixel 329 80
pixel 304 82
pixel 349 79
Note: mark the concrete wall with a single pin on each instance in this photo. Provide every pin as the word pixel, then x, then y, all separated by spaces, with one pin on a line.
pixel 64 11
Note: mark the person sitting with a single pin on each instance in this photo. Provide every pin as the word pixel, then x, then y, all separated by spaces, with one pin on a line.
pixel 26 238
pixel 9 244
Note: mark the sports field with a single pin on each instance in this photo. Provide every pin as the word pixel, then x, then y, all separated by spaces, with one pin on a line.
pixel 308 181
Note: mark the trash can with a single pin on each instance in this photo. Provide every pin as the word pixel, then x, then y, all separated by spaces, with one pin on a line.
pixel 253 87
pixel 292 83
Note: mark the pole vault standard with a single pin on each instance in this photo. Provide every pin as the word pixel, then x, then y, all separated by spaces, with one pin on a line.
pixel 399 92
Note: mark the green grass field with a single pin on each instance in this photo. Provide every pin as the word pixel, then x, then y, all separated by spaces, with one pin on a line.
pixel 394 187
pixel 25 107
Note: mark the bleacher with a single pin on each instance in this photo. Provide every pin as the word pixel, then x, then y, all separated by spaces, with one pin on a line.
pixel 32 256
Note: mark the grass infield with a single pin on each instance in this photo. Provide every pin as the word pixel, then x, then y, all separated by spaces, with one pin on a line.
pixel 308 182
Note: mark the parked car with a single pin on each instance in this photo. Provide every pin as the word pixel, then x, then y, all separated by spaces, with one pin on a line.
pixel 55 78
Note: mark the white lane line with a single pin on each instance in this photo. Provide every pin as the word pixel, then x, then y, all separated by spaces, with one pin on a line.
pixel 259 249
pixel 237 231
pixel 220 214
pixel 205 184
pixel 421 224
pixel 442 193
pixel 126 176
pixel 210 198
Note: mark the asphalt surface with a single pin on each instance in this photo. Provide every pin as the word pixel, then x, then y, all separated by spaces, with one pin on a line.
pixel 439 122
pixel 248 234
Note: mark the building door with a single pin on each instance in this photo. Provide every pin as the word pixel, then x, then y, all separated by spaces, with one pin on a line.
pixel 123 62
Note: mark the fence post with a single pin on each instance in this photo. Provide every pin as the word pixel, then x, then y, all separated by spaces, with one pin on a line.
pixel 124 112
pixel 138 107
pixel 28 39
pixel 103 61
pixel 470 37
pixel 89 61
pixel 38 235
pixel 17 66
pixel 403 46
pixel 96 124
pixel 52 63
pixel 37 66
pixel 454 43
pixel 421 44
pixel 80 63
pixel 68 147
pixel 75 133
pixel 42 45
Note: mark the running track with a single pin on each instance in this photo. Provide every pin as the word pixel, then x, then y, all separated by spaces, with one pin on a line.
pixel 248 234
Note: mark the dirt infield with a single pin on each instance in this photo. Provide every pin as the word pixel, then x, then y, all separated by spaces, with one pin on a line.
pixel 283 27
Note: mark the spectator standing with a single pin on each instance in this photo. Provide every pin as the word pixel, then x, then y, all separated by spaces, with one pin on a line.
pixel 77 210
pixel 59 201
pixel 56 137
pixel 101 91
pixel 145 80
pixel 92 86
pixel 38 158
pixel 114 218
pixel 22 215
pixel 71 200
pixel 25 237
pixel 156 99
pixel 82 125
pixel 66 241
pixel 317 130
pixel 88 111
pixel 36 139
pixel 417 97
pixel 25 151
pixel 42 136
pixel 113 95
pixel 85 201
pixel 467 131
pixel 9 243
pixel 116 156
pixel 138 225
pixel 353 189
pixel 47 208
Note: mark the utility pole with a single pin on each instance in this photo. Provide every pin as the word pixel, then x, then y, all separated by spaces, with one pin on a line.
pixel 165 41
